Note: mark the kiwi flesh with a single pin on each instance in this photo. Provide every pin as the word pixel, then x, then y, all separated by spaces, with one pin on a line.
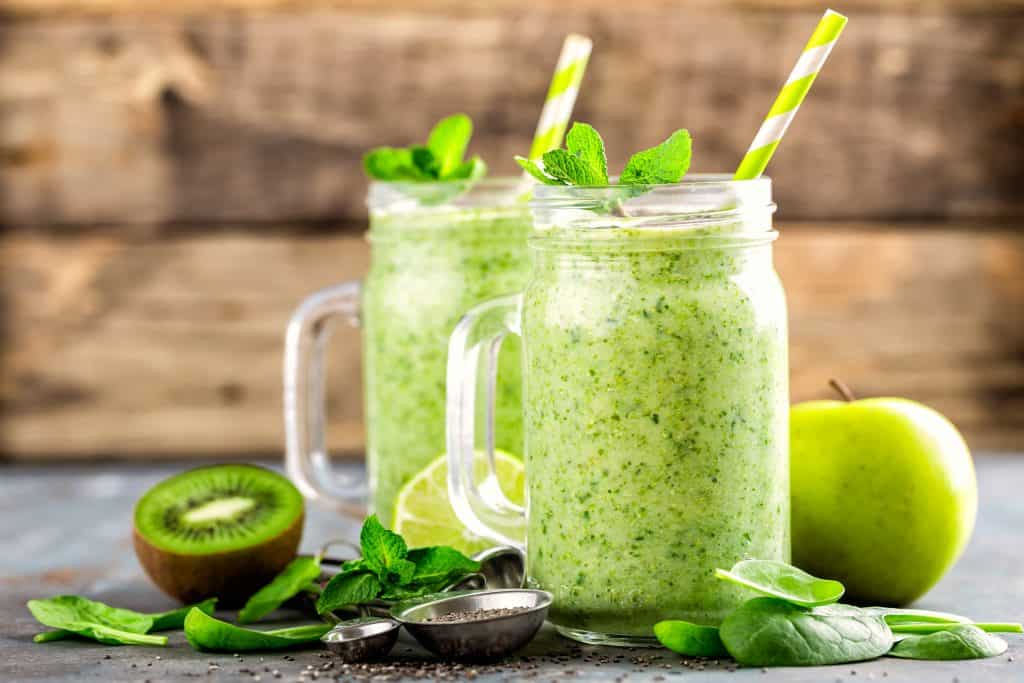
pixel 222 531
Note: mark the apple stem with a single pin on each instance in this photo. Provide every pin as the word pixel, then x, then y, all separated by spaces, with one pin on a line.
pixel 842 389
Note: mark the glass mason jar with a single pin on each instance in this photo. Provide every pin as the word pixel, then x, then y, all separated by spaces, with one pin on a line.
pixel 656 403
pixel 437 250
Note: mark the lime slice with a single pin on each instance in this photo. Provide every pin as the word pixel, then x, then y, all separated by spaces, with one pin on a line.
pixel 423 515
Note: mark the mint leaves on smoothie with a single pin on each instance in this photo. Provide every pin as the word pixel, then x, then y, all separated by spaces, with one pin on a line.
pixel 440 159
pixel 798 621
pixel 583 161
pixel 73 615
pixel 389 570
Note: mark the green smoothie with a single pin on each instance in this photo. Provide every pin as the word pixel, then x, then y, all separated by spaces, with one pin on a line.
pixel 656 422
pixel 429 266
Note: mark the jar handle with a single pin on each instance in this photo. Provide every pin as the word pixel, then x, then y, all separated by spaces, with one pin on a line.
pixel 479 503
pixel 306 458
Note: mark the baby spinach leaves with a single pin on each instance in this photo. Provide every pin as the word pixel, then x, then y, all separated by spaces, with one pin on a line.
pixel 690 640
pixel 390 571
pixel 781 580
pixel 799 622
pixel 774 632
pixel 208 634
pixel 294 579
pixel 73 615
pixel 441 159
pixel 583 161
pixel 962 641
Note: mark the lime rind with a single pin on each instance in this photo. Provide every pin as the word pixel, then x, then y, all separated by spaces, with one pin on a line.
pixel 424 516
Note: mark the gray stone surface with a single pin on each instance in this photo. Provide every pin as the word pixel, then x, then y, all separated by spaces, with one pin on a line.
pixel 66 529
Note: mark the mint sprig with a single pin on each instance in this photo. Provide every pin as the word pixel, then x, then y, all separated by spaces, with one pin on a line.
pixel 389 570
pixel 583 161
pixel 441 159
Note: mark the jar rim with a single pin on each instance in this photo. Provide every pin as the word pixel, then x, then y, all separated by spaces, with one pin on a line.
pixel 498 192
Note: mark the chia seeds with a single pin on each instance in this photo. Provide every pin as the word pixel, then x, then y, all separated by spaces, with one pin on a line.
pixel 475 615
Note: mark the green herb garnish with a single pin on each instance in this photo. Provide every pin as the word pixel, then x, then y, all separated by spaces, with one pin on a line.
pixel 296 578
pixel 207 634
pixel 583 161
pixel 441 159
pixel 73 615
pixel 389 570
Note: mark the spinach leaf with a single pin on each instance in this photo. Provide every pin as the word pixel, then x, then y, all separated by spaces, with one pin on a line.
pixel 83 617
pixel 896 615
pixel 208 634
pixel 919 628
pixel 783 581
pixel 774 632
pixel 294 579
pixel 82 610
pixel 348 589
pixel 691 640
pixel 175 618
pixel 962 641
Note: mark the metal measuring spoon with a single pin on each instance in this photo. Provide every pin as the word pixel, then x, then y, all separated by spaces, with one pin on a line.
pixel 486 637
pixel 358 640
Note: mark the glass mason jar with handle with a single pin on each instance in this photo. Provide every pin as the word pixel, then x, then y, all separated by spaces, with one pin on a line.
pixel 656 403
pixel 436 250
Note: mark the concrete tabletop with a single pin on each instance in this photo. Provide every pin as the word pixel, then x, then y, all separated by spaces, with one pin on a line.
pixel 66 529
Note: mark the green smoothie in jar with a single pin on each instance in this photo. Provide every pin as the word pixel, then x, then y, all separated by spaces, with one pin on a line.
pixel 656 413
pixel 443 238
pixel 655 376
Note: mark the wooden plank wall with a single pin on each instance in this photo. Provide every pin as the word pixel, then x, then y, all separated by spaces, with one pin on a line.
pixel 174 177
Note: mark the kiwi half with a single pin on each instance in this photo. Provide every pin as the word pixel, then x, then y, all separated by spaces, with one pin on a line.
pixel 222 531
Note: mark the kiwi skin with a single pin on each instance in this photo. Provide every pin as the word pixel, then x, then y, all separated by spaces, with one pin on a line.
pixel 232 576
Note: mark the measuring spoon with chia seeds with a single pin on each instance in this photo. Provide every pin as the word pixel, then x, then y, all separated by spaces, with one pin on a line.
pixel 482 624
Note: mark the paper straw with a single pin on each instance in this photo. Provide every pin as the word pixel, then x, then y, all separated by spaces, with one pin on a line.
pixel 786 104
pixel 565 86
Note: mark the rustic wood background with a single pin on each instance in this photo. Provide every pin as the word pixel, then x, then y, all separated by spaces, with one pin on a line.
pixel 175 177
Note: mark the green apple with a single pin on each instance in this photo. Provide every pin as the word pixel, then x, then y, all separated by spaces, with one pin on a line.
pixel 884 496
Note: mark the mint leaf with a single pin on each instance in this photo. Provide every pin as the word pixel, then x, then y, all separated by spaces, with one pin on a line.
pixel 439 160
pixel 348 589
pixel 384 553
pixel 299 573
pixel 586 144
pixel 448 141
pixel 537 172
pixel 666 163
pixel 472 169
pixel 425 162
pixel 570 169
pixel 440 563
pixel 389 163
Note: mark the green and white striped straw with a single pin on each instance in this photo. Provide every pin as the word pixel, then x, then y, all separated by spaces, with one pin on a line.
pixel 565 86
pixel 786 104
